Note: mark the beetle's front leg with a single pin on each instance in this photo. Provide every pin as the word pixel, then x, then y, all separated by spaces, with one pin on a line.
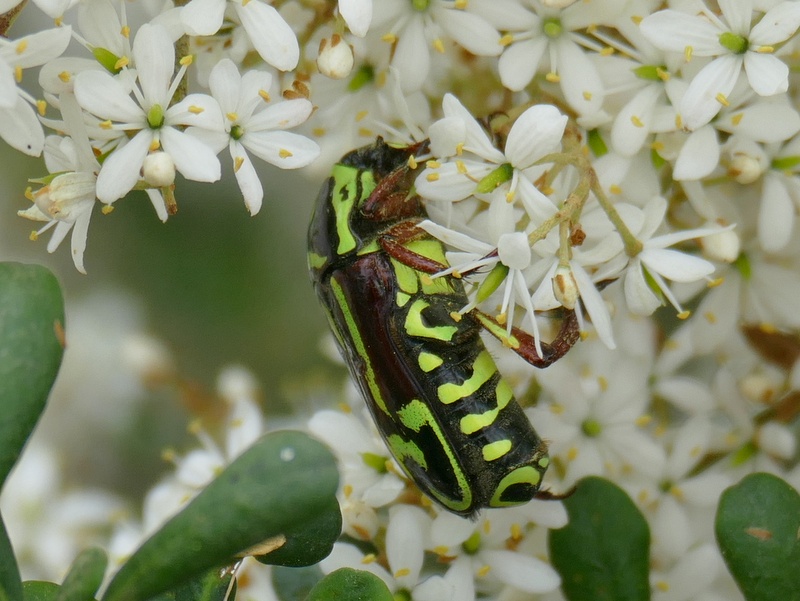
pixel 394 240
pixel 524 344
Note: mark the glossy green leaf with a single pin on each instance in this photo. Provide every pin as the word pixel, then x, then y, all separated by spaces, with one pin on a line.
pixel 603 552
pixel 284 479
pixel 31 335
pixel 84 577
pixel 294 584
pixel 308 542
pixel 757 528
pixel 215 585
pixel 10 583
pixel 347 584
pixel 38 590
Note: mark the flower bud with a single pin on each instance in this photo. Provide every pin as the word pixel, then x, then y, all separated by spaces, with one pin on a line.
pixel 724 246
pixel 67 196
pixel 158 169
pixel 565 288
pixel 776 440
pixel 744 168
pixel 335 59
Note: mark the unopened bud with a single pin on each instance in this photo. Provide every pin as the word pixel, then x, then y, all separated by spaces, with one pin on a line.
pixel 335 59
pixel 724 246
pixel 158 169
pixel 745 169
pixel 776 440
pixel 565 288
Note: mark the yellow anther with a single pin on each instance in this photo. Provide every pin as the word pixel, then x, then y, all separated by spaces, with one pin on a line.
pixel 284 153
pixel 636 121
pixel 237 164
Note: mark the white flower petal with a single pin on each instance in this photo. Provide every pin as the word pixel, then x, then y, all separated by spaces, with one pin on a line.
pixel 247 178
pixel 412 57
pixel 78 241
pixel 193 160
pixel 37 48
pixel 281 115
pixel 100 25
pixel 477 140
pixel 776 215
pixel 595 305
pixel 283 149
pixel 580 80
pixel 536 133
pixel 638 296
pixel 357 14
pixel 763 122
pixel 154 57
pixel 686 393
pixel 777 25
pixel 455 239
pixel 519 62
pixel 447 183
pixel 675 265
pixel 767 74
pixel 472 32
pixel 699 104
pixel 271 36
pixel 20 128
pixel 673 31
pixel 199 110
pixel 698 156
pixel 633 123
pixel 345 555
pixel 104 96
pixel 738 14
pixel 203 17
pixel 120 171
pixel 528 574
pixel 406 537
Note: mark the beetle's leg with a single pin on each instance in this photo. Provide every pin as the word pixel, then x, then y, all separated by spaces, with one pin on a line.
pixel 393 242
pixel 524 344
pixel 547 495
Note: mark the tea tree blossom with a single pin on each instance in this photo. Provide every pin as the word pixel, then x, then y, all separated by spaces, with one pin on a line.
pixel 150 117
pixel 737 43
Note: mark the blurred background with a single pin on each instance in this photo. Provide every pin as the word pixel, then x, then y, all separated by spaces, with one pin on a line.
pixel 213 285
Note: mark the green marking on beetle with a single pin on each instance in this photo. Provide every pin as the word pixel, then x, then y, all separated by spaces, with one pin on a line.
pixel 406 448
pixel 477 421
pixel 429 361
pixel 415 324
pixel 414 416
pixel 544 462
pixel 495 450
pixel 522 475
pixel 355 335
pixel 316 260
pixel 483 369
pixel 407 277
pixel 402 298
pixel 367 249
pixel 342 200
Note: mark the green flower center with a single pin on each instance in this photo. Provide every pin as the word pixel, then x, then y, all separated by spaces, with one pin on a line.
pixel 106 58
pixel 789 163
pixel 364 75
pixel 742 265
pixel 237 131
pixel 734 42
pixel 472 544
pixel 650 72
pixel 592 428
pixel 552 28
pixel 420 5
pixel 498 176
pixel 375 461
pixel 155 116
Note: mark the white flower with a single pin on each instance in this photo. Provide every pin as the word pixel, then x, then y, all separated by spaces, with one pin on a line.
pixel 269 33
pixel 659 262
pixel 362 458
pixel 417 27
pixel 155 122
pixel 536 133
pixel 737 45
pixel 551 32
pixel 251 124
pixel 19 126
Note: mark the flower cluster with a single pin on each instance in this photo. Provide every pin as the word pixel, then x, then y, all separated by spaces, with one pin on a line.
pixel 608 158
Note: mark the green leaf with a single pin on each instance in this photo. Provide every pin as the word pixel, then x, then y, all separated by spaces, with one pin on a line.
pixel 214 585
pixel 308 542
pixel 757 528
pixel 284 479
pixel 10 583
pixel 85 576
pixel 38 590
pixel 603 552
pixel 31 335
pixel 294 584
pixel 347 584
